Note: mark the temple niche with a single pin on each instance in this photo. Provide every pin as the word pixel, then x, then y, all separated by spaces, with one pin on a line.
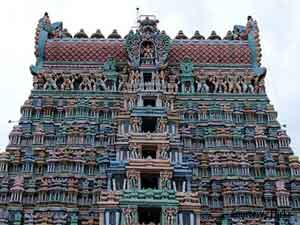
pixel 147 53
pixel 148 130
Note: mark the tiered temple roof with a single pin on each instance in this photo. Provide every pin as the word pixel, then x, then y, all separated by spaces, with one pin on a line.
pixel 147 129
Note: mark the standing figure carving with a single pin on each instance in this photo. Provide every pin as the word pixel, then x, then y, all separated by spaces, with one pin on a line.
pixel 162 125
pixel 170 216
pixel 136 124
pixel 128 216
pixel 50 83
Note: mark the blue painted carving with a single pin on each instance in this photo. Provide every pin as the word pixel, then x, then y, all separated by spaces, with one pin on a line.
pixel 45 31
pixel 250 33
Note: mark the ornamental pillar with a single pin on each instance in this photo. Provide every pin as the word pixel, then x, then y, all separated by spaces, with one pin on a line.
pixel 169 216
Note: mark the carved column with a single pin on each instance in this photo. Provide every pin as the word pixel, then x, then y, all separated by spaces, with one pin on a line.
pixel 101 216
pixel 129 216
pixel 133 177
pixel 169 216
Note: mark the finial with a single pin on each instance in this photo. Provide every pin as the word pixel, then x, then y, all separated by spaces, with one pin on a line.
pixel 114 34
pixel 66 33
pixel 97 34
pixel 181 35
pixel 198 36
pixel 214 36
pixel 229 35
pixel 81 34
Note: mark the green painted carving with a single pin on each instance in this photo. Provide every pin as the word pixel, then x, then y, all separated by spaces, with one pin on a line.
pixel 74 219
pixel 186 67
pixel 17 218
pixel 165 183
pixel 149 196
pixel 129 215
pixel 186 77
pixel 110 69
pixel 132 47
pixel 281 221
pixel 225 221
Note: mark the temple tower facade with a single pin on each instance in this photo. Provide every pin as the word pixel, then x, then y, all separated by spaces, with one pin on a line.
pixel 148 130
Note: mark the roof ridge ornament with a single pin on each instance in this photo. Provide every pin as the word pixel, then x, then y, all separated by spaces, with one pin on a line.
pixel 44 31
pixel 250 32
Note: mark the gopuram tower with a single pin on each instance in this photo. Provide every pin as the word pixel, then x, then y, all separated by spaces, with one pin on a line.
pixel 148 130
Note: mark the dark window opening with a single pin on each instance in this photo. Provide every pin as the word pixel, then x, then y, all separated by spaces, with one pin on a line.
pixel 149 215
pixel 149 181
pixel 184 218
pixel 148 124
pixel 149 102
pixel 117 182
pixel 147 77
pixel 181 185
pixel 149 151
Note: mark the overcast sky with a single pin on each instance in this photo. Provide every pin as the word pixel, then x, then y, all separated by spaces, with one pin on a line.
pixel 279 23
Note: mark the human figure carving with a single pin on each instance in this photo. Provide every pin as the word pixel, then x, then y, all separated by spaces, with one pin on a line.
pixel 162 125
pixel 134 151
pixel 247 84
pixel 148 51
pixel 235 83
pixel 68 83
pixel 170 216
pixel 164 152
pixel 128 214
pixel 136 122
pixel 202 87
pixel 50 82
pixel 100 82
pixel 260 85
pixel 85 84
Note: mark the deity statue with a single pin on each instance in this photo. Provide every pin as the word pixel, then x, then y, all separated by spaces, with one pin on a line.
pixel 156 79
pixel 129 216
pixel 220 84
pixel 225 221
pixel 68 83
pixel 74 219
pixel 50 83
pixel 100 82
pixel 148 51
pixel 17 218
pixel 165 181
pixel 122 79
pixel 247 84
pixel 163 154
pixel 134 149
pixel 136 123
pixel 281 221
pixel 162 125
pixel 162 77
pixel 202 87
pixel 260 85
pixel 36 82
pixel 170 214
pixel 235 86
pixel 85 84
